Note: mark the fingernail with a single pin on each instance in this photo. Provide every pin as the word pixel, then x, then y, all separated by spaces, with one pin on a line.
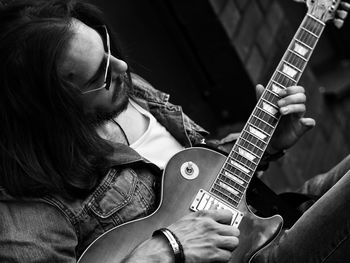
pixel 281 103
pixel 284 110
pixel 282 92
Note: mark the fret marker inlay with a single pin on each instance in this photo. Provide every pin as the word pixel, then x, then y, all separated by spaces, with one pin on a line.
pixel 228 188
pixel 300 49
pixel 268 108
pixel 234 178
pixel 246 154
pixel 241 167
pixel 276 88
pixel 257 133
pixel 289 71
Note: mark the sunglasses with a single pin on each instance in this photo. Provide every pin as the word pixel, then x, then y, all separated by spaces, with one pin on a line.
pixel 102 30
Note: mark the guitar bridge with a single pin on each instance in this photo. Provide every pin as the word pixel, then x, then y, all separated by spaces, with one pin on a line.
pixel 205 201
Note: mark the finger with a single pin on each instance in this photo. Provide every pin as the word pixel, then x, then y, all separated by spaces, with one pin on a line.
pixel 259 89
pixel 342 14
pixel 291 90
pixel 228 243
pixel 338 22
pixel 306 125
pixel 308 122
pixel 345 5
pixel 298 98
pixel 227 230
pixel 223 216
pixel 220 256
pixel 295 108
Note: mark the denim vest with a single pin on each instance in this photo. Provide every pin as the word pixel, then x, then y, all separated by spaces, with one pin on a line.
pixel 52 229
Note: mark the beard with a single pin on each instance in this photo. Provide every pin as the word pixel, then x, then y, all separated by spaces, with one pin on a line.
pixel 120 98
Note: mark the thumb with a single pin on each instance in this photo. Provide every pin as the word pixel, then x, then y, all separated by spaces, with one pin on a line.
pixel 259 89
pixel 307 124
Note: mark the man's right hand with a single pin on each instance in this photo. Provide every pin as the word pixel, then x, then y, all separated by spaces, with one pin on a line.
pixel 207 236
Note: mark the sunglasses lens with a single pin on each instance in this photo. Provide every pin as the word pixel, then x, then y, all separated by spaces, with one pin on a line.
pixel 108 79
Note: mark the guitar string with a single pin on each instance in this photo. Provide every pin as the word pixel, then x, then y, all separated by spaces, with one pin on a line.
pixel 305 37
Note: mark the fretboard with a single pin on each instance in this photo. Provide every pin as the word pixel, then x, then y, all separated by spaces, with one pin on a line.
pixel 240 165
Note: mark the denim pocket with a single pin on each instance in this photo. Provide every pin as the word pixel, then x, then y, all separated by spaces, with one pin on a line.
pixel 115 194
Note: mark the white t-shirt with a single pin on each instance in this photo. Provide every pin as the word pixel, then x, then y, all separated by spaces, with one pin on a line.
pixel 156 144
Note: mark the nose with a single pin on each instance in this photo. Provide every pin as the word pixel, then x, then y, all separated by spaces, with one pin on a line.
pixel 118 66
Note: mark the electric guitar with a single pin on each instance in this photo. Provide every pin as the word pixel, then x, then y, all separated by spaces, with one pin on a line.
pixel 205 179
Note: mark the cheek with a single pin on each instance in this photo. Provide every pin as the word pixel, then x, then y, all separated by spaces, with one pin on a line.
pixel 100 100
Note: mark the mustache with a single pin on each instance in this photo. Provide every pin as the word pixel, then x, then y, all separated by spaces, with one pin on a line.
pixel 121 82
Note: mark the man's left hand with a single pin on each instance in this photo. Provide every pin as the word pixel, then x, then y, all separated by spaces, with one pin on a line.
pixel 292 125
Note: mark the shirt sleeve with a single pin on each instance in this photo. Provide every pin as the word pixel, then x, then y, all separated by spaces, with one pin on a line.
pixel 35 232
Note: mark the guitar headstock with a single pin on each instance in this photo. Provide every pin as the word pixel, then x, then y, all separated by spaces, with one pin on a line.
pixel 323 10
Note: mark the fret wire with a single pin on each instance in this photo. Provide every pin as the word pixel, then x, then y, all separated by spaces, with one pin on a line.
pixel 307 39
pixel 293 56
pixel 261 114
pixel 295 60
pixel 239 159
pixel 284 74
pixel 252 153
pixel 316 19
pixel 262 142
pixel 232 168
pixel 234 151
pixel 245 182
pixel 239 173
pixel 242 164
pixel 241 176
pixel 316 28
pixel 291 65
pixel 218 184
pixel 268 101
pixel 282 80
pixel 270 115
pixel 263 126
pixel 270 91
pixel 242 160
pixel 255 149
pixel 283 66
pixel 235 185
pixel 314 25
pixel 225 197
pixel 264 122
pixel 227 194
pixel 311 49
pixel 266 117
pixel 295 53
pixel 311 33
pixel 271 97
pixel 267 135
pixel 262 118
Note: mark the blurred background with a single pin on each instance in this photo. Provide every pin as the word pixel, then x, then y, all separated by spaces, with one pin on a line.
pixel 210 54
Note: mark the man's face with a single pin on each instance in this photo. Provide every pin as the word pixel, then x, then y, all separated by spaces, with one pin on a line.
pixel 84 64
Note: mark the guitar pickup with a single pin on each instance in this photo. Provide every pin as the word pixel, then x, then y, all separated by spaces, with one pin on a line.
pixel 205 201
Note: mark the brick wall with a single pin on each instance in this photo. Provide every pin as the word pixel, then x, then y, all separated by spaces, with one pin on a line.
pixel 260 32
pixel 257 30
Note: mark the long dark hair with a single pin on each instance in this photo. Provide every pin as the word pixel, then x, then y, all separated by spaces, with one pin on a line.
pixel 46 143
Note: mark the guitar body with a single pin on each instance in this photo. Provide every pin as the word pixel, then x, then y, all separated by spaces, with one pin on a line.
pixel 177 196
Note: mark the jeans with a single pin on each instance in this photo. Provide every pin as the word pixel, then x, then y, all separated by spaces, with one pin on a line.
pixel 322 233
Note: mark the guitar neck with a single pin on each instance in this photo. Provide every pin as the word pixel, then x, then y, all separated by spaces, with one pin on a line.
pixel 240 165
